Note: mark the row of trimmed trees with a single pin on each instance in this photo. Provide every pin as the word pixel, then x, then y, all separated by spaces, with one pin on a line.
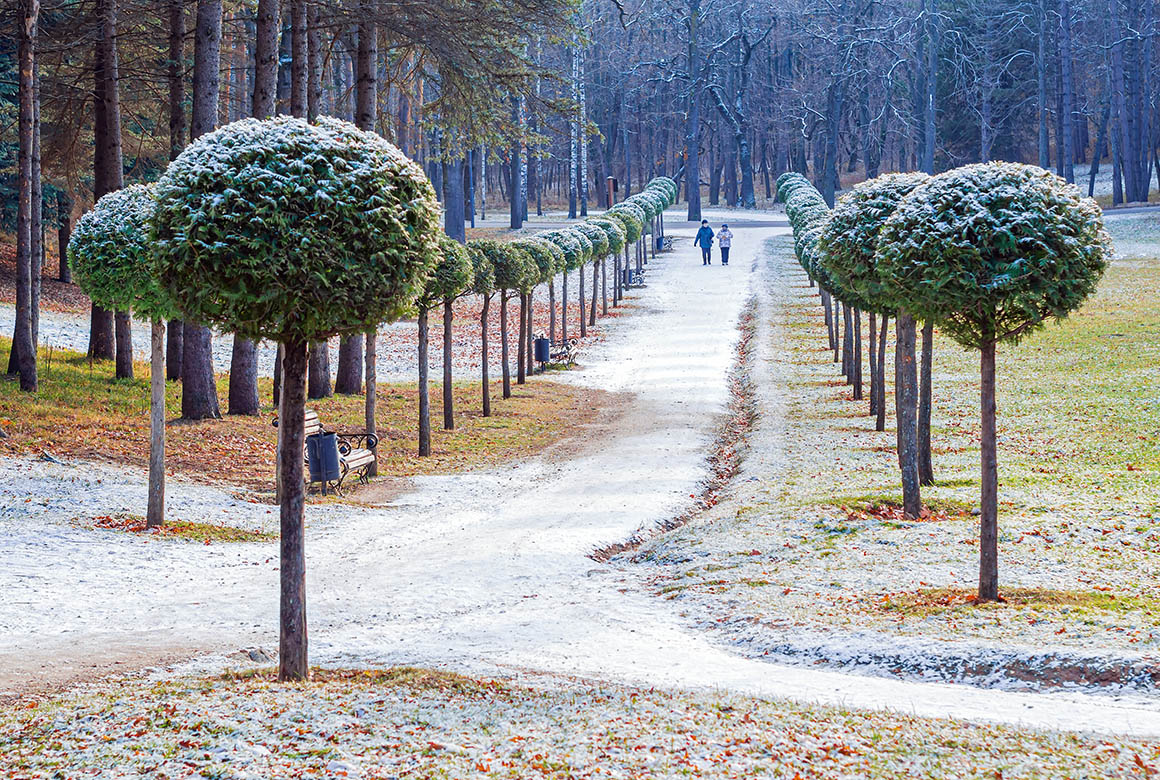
pixel 296 232
pixel 986 252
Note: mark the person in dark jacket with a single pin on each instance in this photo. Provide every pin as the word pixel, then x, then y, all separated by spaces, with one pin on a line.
pixel 704 240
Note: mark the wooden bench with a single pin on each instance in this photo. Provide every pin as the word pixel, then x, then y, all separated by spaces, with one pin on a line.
pixel 666 243
pixel 356 450
pixel 633 278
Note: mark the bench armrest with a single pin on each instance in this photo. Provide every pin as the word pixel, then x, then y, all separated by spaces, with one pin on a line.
pixel 355 440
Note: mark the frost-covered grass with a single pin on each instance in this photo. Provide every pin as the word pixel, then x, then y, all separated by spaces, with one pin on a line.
pixel 81 411
pixel 799 549
pixel 415 723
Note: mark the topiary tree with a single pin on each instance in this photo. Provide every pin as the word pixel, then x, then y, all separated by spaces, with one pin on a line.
pixel 991 252
pixel 632 220
pixel 542 263
pixel 110 256
pixel 587 252
pixel 447 280
pixel 849 245
pixel 571 257
pixel 512 267
pixel 294 232
pixel 616 240
pixel 599 240
pixel 483 285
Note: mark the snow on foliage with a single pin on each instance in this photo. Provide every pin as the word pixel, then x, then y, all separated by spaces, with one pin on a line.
pixel 111 257
pixel 613 230
pixel 850 239
pixel 452 276
pixel 991 251
pixel 632 219
pixel 568 243
pixel 597 237
pixel 546 257
pixel 282 229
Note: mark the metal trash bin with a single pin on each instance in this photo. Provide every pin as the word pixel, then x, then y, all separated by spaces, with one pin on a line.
pixel 543 350
pixel 660 243
pixel 322 458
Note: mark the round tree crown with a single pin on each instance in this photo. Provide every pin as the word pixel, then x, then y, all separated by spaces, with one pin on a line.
pixel 568 243
pixel 286 230
pixel 587 249
pixel 612 229
pixel 991 251
pixel 850 239
pixel 111 257
pixel 597 237
pixel 632 219
pixel 482 271
pixel 451 277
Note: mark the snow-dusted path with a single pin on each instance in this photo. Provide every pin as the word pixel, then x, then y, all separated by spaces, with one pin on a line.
pixel 480 571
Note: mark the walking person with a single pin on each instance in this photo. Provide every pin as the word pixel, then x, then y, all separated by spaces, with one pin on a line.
pixel 726 239
pixel 704 240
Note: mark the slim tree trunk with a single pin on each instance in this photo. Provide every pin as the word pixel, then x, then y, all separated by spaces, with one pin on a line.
pixel 989 507
pixel 63 234
pixel 199 391
pixel 880 421
pixel 925 466
pixel 293 663
pixel 530 352
pixel 175 76
pixel 521 375
pixel 448 394
pixel 906 405
pixel 873 344
pixel 503 339
pixel 370 423
pixel 857 357
pixel 23 347
pixel 155 513
pixel 583 313
pixel 552 309
pixel 424 399
pixel 485 380
pixel 564 308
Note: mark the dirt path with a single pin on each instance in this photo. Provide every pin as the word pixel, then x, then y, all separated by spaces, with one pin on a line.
pixel 485 571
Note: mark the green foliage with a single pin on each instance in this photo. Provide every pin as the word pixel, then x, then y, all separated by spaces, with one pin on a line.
pixel 597 237
pixel 511 265
pixel 587 248
pixel 451 277
pixel 650 202
pixel 612 230
pixel 991 251
pixel 850 240
pixel 111 257
pixel 569 245
pixel 547 259
pixel 482 271
pixel 285 230
pixel 632 219
pixel 667 187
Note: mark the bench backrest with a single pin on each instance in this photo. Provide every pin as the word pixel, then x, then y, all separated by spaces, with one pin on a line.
pixel 311 423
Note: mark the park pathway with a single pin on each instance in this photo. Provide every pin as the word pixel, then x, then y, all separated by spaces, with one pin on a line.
pixel 486 572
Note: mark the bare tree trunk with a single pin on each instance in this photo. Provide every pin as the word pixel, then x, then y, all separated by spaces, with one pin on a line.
pixel 925 466
pixel 521 375
pixel 448 392
pixel 155 512
pixel 595 292
pixel 318 371
pixel 23 347
pixel 873 364
pixel 371 425
pixel 199 398
pixel 503 336
pixel 64 205
pixel 1067 98
pixel 552 310
pixel 604 287
pixel 856 373
pixel 123 328
pixel 175 76
pixel 583 313
pixel 989 506
pixel 485 380
pixel 530 353
pixel 299 58
pixel 564 308
pixel 424 399
pixel 693 117
pixel 906 405
pixel 880 421
pixel 293 663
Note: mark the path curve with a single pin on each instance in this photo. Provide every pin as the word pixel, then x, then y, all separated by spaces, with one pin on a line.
pixel 485 571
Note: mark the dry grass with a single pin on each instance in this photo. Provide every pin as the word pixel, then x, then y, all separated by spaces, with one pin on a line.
pixel 81 412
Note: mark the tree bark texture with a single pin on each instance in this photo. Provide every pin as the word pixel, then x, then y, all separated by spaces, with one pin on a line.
pixel 293 658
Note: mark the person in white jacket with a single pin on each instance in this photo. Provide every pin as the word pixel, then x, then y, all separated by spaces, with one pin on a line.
pixel 725 237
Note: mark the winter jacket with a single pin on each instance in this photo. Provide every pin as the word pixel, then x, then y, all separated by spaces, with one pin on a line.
pixel 704 238
pixel 726 238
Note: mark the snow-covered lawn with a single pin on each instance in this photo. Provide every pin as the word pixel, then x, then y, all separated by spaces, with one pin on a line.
pixel 407 723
